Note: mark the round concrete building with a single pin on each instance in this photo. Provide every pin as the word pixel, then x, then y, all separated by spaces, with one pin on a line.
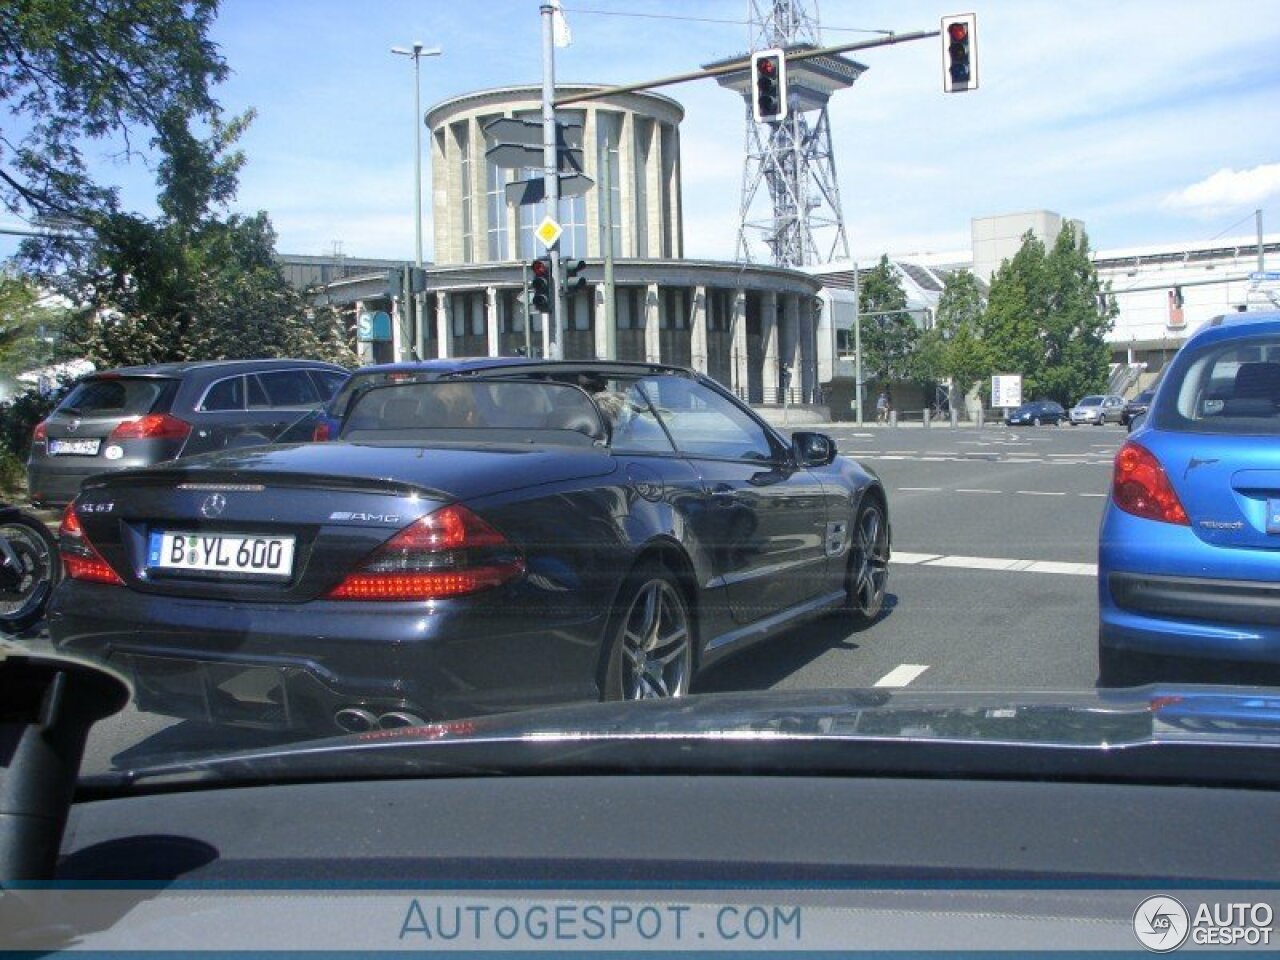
pixel 743 324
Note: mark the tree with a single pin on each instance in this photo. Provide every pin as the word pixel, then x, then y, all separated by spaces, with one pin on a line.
pixel 889 335
pixel 192 283
pixel 78 71
pixel 1047 319
pixel 25 325
pixel 954 348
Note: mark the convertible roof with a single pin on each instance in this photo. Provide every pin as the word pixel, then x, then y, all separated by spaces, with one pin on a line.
pixel 570 367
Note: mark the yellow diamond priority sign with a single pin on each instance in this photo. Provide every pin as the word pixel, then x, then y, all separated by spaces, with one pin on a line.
pixel 548 232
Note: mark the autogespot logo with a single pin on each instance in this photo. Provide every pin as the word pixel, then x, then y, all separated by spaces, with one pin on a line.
pixel 1161 924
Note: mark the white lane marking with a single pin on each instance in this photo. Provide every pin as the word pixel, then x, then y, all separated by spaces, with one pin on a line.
pixel 900 556
pixel 1002 564
pixel 975 490
pixel 1041 493
pixel 901 675
pixel 975 563
pixel 919 489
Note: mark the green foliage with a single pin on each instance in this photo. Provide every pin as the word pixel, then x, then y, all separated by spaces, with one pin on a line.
pixel 1046 319
pixel 77 71
pixel 889 335
pixel 18 417
pixel 954 349
pixel 193 283
pixel 22 321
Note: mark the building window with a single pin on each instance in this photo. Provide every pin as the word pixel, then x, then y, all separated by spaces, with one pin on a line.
pixel 608 136
pixel 644 142
pixel 720 309
pixel 462 138
pixel 670 190
pixel 675 309
pixel 496 207
pixel 630 304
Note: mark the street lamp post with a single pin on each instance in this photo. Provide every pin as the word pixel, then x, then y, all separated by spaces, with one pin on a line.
pixel 417 53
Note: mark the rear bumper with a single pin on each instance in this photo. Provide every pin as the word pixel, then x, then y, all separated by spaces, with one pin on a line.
pixel 294 666
pixel 55 481
pixel 1162 590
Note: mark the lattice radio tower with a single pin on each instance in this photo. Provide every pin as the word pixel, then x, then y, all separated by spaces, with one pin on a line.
pixel 793 159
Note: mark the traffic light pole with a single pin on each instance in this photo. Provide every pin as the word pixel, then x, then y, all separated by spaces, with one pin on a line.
pixel 551 172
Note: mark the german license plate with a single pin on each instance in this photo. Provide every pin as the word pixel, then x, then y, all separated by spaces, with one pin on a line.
pixel 220 553
pixel 1273 516
pixel 84 448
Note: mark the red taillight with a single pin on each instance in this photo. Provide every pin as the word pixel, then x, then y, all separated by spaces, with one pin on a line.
pixel 449 553
pixel 80 559
pixel 321 432
pixel 154 426
pixel 1140 486
pixel 40 433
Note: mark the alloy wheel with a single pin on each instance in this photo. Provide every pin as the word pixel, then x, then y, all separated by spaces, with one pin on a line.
pixel 657 651
pixel 869 566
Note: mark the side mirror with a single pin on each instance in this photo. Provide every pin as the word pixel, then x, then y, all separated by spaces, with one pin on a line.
pixel 812 449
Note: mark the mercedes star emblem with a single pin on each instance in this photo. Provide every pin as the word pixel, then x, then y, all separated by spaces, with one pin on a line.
pixel 213 505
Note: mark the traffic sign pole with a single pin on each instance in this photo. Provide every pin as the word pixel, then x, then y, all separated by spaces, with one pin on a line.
pixel 550 163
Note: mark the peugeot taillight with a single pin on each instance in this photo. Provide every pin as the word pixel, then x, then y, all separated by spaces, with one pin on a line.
pixel 80 559
pixel 1140 486
pixel 41 433
pixel 321 433
pixel 154 426
pixel 449 553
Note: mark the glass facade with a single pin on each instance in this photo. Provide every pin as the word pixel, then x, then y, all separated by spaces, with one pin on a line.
pixel 608 138
pixel 462 138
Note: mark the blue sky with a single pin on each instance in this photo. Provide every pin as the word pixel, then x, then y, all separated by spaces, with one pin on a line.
pixel 1151 121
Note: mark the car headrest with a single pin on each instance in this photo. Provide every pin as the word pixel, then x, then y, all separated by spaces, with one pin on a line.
pixel 1258 380
pixel 578 418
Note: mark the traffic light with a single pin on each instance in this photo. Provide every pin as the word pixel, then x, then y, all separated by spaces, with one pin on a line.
pixel 960 53
pixel 540 284
pixel 572 282
pixel 417 280
pixel 769 73
pixel 395 284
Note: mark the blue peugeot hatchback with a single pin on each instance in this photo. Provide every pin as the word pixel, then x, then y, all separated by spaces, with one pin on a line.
pixel 1189 551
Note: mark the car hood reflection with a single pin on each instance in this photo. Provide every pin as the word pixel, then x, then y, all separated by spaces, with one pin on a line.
pixel 1155 732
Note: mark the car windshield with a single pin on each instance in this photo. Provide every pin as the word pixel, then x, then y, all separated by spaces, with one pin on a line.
pixel 860 375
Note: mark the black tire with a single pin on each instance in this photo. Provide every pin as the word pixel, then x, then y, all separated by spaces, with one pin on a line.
pixel 34 549
pixel 867 576
pixel 651 639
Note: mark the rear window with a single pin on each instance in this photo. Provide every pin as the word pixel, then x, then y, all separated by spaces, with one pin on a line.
pixel 1090 402
pixel 479 410
pixel 118 396
pixel 1229 387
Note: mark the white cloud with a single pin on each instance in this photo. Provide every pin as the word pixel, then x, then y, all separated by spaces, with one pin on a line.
pixel 1229 189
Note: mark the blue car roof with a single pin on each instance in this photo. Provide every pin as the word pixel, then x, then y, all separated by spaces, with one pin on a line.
pixel 1232 325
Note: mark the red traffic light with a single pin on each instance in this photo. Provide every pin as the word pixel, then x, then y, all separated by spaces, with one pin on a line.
pixel 540 268
pixel 767 66
pixel 958 32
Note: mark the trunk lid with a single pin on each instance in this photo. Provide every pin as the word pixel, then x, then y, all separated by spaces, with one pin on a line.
pixel 318 509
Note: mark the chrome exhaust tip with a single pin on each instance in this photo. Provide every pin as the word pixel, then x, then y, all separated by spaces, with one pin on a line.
pixel 400 718
pixel 355 720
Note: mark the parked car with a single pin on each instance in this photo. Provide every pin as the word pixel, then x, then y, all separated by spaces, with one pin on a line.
pixel 548 548
pixel 1035 413
pixel 1136 407
pixel 1189 551
pixel 1098 409
pixel 139 416
pixel 327 421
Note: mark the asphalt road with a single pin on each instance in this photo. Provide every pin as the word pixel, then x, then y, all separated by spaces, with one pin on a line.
pixel 992 586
